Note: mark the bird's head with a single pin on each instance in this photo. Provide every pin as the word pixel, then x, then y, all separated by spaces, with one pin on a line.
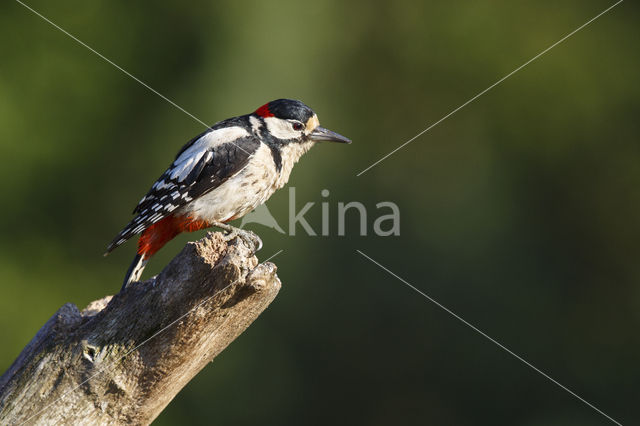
pixel 292 121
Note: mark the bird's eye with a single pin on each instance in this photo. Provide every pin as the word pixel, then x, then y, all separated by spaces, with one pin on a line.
pixel 298 126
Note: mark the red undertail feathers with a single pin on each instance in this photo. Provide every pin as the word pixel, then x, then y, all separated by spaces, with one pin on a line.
pixel 157 235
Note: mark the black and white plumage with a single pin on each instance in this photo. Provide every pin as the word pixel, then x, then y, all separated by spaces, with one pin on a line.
pixel 222 174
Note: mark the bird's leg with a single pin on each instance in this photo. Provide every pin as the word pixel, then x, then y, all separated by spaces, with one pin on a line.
pixel 249 238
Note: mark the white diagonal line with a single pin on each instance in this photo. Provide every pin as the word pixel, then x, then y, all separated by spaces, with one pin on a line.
pixel 118 67
pixel 490 87
pixel 273 255
pixel 491 339
pixel 113 63
pixel 103 369
pixel 119 360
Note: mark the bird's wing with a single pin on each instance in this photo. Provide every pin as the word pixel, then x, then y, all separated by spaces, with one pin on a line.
pixel 201 166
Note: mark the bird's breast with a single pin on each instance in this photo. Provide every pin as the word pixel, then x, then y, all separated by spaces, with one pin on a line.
pixel 249 188
pixel 290 154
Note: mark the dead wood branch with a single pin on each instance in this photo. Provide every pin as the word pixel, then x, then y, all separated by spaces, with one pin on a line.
pixel 125 357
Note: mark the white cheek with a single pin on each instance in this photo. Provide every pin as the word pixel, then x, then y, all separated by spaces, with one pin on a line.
pixel 281 129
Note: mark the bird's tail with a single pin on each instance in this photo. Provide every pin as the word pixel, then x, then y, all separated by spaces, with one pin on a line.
pixel 135 270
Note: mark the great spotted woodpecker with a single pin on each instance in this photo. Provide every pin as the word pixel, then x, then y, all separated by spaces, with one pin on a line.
pixel 223 174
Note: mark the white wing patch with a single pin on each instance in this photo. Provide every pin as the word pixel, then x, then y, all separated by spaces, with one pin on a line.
pixel 185 163
pixel 179 183
pixel 213 139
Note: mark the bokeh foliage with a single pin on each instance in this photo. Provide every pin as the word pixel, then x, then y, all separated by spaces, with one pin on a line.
pixel 520 212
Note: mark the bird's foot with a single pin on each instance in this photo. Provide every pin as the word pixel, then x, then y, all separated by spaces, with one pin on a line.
pixel 249 238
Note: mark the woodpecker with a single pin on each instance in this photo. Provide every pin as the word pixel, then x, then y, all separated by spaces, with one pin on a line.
pixel 221 175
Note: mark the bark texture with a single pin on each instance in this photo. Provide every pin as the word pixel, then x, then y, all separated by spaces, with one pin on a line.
pixel 124 358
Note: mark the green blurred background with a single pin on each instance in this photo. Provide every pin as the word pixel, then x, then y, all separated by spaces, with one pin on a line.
pixel 520 212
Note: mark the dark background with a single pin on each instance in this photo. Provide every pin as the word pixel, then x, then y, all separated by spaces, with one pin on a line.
pixel 520 212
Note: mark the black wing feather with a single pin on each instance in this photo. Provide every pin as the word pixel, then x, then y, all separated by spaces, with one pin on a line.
pixel 214 167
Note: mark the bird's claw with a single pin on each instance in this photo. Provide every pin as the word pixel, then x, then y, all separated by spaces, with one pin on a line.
pixel 249 238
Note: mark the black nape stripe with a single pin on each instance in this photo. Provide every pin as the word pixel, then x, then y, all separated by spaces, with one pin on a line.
pixel 274 145
pixel 277 158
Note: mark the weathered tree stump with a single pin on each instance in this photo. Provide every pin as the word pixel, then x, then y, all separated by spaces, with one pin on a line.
pixel 125 357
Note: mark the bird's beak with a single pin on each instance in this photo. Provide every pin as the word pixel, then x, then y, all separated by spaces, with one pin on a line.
pixel 321 134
